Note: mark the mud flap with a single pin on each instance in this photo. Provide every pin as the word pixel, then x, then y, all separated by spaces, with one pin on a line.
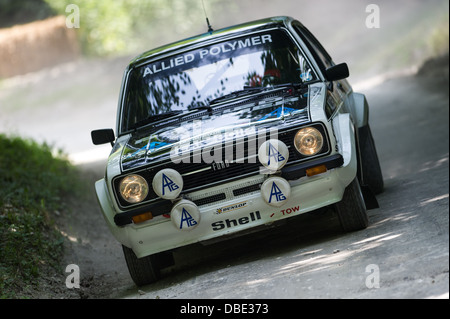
pixel 369 197
pixel 165 259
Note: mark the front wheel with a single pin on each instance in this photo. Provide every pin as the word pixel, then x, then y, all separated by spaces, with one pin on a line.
pixel 143 270
pixel 351 210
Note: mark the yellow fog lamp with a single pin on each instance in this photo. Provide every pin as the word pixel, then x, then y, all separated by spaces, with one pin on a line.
pixel 133 188
pixel 308 141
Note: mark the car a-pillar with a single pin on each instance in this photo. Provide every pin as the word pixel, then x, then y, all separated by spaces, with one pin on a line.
pixel 273 154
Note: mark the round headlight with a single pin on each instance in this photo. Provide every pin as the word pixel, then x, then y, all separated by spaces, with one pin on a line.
pixel 133 188
pixel 308 141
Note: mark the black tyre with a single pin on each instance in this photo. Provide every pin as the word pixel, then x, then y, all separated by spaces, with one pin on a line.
pixel 351 210
pixel 144 270
pixel 371 170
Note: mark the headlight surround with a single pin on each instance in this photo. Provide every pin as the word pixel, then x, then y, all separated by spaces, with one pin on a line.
pixel 133 188
pixel 308 141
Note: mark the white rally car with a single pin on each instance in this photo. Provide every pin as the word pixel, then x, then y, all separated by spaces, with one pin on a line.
pixel 232 130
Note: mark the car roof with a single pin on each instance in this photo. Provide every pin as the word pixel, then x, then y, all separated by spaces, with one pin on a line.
pixel 213 36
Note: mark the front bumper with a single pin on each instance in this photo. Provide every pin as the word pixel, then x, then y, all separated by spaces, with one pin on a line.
pixel 293 172
pixel 236 212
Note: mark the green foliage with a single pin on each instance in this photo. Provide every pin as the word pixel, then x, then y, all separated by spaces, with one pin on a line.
pixel 125 26
pixel 24 11
pixel 439 39
pixel 32 185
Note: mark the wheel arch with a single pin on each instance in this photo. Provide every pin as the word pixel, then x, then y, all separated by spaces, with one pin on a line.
pixel 360 110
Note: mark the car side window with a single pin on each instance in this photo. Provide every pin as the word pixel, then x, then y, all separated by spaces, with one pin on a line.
pixel 324 59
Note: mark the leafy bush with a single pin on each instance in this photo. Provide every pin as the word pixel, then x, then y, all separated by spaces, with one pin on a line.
pixel 24 11
pixel 33 183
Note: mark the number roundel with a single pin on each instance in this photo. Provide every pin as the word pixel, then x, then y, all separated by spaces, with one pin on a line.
pixel 167 183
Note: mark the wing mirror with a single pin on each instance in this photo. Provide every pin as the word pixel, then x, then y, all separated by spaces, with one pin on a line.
pixel 337 72
pixel 103 136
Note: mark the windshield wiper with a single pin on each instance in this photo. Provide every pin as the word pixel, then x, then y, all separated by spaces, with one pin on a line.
pixel 200 108
pixel 247 90
pixel 155 118
pixel 295 85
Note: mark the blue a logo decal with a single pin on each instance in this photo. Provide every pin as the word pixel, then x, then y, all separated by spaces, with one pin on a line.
pixel 187 218
pixel 167 182
pixel 276 191
pixel 273 152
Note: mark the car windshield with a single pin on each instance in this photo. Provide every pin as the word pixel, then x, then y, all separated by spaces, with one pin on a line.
pixel 193 79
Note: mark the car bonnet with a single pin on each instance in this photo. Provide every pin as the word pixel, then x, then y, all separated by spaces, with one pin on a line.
pixel 197 131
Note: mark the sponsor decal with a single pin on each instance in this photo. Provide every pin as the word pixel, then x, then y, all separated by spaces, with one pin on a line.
pixel 277 193
pixel 291 210
pixel 187 218
pixel 288 211
pixel 273 152
pixel 167 182
pixel 185 215
pixel 229 223
pixel 230 208
pixel 206 53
